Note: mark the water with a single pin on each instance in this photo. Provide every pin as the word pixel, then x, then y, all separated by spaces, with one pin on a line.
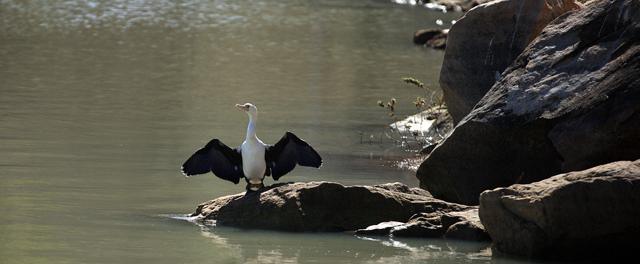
pixel 102 101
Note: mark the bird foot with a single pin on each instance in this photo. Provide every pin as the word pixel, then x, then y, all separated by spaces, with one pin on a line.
pixel 254 187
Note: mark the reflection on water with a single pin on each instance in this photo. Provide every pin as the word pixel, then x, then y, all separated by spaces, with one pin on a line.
pixel 102 101
pixel 276 247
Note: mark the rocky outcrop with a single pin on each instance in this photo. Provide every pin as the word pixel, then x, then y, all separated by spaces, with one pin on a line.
pixel 570 101
pixel 484 42
pixel 320 207
pixel 590 215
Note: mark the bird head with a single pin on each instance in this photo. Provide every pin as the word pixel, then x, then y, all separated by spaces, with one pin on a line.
pixel 251 109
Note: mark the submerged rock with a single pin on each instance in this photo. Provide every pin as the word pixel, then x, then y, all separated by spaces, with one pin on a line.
pixel 590 215
pixel 570 101
pixel 485 41
pixel 320 207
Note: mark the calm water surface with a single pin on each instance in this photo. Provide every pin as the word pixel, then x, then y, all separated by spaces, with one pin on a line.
pixel 102 101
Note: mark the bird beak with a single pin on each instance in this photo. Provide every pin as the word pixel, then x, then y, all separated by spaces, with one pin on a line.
pixel 243 107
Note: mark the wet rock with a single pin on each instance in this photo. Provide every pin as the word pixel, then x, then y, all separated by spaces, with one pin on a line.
pixel 432 38
pixel 441 127
pixel 485 41
pixel 467 230
pixel 591 215
pixel 431 125
pixel 463 224
pixel 458 5
pixel 427 150
pixel 320 207
pixel 381 229
pixel 422 225
pixel 570 101
pixel 417 229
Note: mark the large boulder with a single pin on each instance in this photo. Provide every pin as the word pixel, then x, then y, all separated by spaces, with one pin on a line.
pixel 570 101
pixel 485 41
pixel 590 215
pixel 320 207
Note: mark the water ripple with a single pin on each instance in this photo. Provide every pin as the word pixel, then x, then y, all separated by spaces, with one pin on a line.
pixel 28 17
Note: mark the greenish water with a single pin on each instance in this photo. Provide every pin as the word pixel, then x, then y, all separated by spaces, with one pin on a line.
pixel 102 101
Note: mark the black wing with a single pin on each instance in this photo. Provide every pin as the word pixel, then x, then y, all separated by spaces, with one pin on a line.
pixel 216 157
pixel 282 157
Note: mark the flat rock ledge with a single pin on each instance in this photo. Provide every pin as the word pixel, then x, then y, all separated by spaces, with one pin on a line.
pixel 327 207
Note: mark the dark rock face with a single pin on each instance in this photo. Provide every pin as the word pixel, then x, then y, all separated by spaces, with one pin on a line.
pixel 480 157
pixel 570 101
pixel 484 42
pixel 590 215
pixel 321 207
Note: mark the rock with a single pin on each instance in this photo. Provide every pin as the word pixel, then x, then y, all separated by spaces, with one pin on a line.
pixel 399 187
pixel 432 38
pixel 464 224
pixel 467 230
pixel 485 41
pixel 441 127
pixel 417 229
pixel 320 207
pixel 427 150
pixel 457 5
pixel 569 102
pixel 476 157
pixel 431 125
pixel 591 215
pixel 381 229
pixel 422 225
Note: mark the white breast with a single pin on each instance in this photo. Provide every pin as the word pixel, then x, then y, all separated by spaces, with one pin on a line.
pixel 253 163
